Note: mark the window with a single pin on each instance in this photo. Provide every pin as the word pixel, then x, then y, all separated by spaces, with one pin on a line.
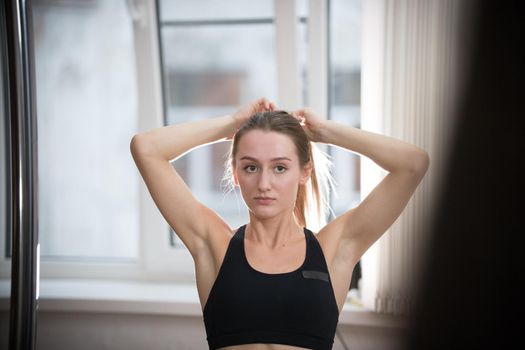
pixel 345 105
pixel 88 197
pixel 210 57
pixel 344 92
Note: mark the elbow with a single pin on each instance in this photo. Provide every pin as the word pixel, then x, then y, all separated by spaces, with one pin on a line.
pixel 138 144
pixel 421 162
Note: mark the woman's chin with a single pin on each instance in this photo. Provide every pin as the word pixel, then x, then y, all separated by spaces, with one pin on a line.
pixel 263 212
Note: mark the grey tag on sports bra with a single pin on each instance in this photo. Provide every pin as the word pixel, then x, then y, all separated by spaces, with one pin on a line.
pixel 318 275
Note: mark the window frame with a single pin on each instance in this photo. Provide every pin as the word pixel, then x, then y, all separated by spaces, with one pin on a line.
pixel 158 260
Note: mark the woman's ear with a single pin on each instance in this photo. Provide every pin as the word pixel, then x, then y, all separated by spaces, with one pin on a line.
pixel 306 173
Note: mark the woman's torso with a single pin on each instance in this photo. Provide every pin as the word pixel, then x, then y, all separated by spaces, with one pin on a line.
pixel 290 258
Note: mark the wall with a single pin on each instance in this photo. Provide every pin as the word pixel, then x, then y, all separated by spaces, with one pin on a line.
pixel 88 331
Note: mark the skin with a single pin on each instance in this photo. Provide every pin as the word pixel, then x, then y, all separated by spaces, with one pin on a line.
pixel 267 165
pixel 274 241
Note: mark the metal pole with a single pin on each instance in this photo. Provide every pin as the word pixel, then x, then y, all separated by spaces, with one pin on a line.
pixel 24 172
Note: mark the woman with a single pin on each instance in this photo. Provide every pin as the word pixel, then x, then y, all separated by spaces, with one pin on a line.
pixel 258 287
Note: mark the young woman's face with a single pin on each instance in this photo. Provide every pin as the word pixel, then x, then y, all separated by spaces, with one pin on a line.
pixel 268 172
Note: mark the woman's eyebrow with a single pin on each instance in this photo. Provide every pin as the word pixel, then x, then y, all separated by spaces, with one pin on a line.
pixel 273 159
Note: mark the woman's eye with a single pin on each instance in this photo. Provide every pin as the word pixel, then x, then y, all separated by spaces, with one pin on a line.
pixel 280 169
pixel 250 168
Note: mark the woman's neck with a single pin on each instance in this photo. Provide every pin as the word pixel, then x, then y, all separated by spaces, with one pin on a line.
pixel 273 233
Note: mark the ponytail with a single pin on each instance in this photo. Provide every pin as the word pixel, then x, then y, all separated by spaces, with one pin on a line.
pixel 312 203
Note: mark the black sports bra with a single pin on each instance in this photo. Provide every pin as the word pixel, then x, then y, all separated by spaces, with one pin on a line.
pixel 293 308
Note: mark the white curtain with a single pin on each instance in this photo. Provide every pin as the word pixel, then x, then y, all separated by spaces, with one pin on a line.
pixel 411 78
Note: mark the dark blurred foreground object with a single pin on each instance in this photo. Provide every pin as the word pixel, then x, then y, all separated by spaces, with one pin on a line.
pixel 471 294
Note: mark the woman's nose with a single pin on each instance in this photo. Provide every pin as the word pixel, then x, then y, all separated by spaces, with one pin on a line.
pixel 264 181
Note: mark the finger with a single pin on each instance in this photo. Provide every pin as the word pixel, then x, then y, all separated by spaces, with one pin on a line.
pixel 262 103
pixel 299 118
pixel 297 114
pixel 261 106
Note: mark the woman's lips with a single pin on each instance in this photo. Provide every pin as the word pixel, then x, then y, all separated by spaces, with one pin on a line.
pixel 264 200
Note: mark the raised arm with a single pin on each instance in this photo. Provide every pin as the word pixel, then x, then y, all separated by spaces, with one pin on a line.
pixel 153 151
pixel 358 228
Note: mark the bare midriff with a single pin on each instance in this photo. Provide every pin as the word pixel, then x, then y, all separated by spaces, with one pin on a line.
pixel 262 347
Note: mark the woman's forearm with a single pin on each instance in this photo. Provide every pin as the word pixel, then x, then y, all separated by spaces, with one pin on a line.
pixel 389 153
pixel 173 141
